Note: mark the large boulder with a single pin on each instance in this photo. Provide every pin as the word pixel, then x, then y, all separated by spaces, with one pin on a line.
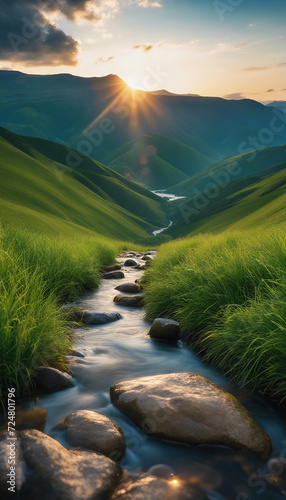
pixel 96 318
pixel 128 288
pixel 133 301
pixel 50 379
pixel 189 409
pixel 130 263
pixel 96 432
pixel 165 329
pixel 154 488
pixel 58 474
pixel 113 275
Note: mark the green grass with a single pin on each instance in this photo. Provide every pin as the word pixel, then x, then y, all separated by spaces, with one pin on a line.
pixel 37 192
pixel 37 274
pixel 228 293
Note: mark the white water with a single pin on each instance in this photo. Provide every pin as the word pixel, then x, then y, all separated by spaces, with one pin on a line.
pixel 155 233
pixel 170 197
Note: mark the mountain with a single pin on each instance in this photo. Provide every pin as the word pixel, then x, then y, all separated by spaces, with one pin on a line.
pixel 42 191
pixel 234 167
pixel 281 105
pixel 99 115
pixel 158 162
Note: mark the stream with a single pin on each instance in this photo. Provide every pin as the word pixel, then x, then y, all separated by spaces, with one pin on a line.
pixel 121 351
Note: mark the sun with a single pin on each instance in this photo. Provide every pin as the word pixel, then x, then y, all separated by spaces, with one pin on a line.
pixel 132 82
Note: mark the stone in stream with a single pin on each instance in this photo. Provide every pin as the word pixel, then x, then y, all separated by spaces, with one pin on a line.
pixel 113 275
pixel 114 267
pixel 95 318
pixel 78 354
pixel 50 379
pixel 128 288
pixel 155 488
pixel 96 432
pixel 146 257
pixel 189 409
pixel 130 263
pixel 133 301
pixel 31 419
pixel 53 472
pixel 165 329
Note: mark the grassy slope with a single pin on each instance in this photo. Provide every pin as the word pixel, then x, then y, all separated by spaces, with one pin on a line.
pixel 228 293
pixel 159 162
pixel 234 167
pixel 243 204
pixel 35 191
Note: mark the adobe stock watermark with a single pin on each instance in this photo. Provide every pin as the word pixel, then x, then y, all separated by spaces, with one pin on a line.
pixel 223 8
pixel 219 181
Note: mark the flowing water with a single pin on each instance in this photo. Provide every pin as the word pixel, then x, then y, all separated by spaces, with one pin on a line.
pixel 121 351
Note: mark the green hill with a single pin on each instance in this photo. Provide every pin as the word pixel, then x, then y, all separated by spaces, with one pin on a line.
pixel 243 204
pixel 48 195
pixel 234 167
pixel 157 161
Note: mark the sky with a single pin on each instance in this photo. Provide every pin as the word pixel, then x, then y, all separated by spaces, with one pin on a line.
pixel 230 48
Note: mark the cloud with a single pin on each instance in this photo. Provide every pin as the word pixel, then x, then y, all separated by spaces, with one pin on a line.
pixel 270 90
pixel 145 47
pixel 101 60
pixel 236 96
pixel 240 46
pixel 264 68
pixel 148 4
pixel 28 36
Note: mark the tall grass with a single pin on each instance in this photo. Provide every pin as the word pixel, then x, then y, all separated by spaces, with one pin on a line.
pixel 37 274
pixel 228 292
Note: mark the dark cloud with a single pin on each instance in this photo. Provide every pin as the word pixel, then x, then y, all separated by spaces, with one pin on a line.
pixel 144 47
pixel 28 36
pixel 102 60
pixel 270 90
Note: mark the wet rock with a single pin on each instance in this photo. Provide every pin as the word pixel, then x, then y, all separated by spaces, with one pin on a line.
pixel 128 288
pixel 134 301
pixel 58 474
pixel 114 267
pixel 189 409
pixel 146 257
pixel 130 263
pixel 96 432
pixel 78 354
pixel 94 318
pixel 51 380
pixel 154 488
pixel 165 329
pixel 31 419
pixel 113 275
pixel 5 453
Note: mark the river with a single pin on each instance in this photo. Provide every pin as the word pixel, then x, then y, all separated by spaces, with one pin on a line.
pixel 121 351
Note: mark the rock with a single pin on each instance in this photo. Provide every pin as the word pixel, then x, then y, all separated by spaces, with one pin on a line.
pixel 96 432
pixel 114 267
pixel 165 329
pixel 189 409
pixel 154 488
pixel 134 301
pixel 59 474
pixel 95 318
pixel 77 354
pixel 5 453
pixel 146 257
pixel 113 275
pixel 130 263
pixel 50 379
pixel 128 288
pixel 31 419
